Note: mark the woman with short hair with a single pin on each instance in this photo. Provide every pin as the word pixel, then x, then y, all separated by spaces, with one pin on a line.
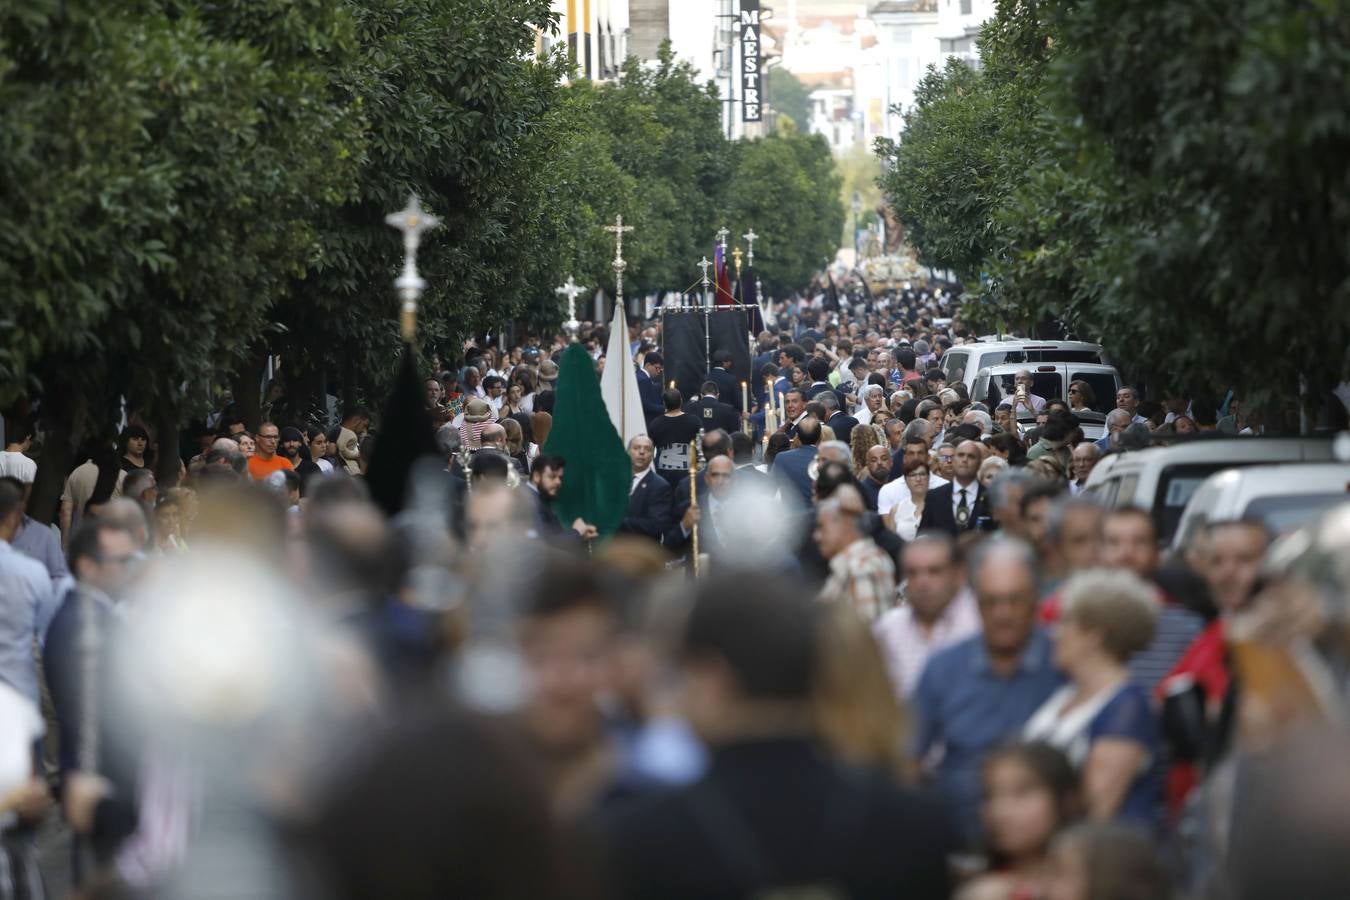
pixel 1101 719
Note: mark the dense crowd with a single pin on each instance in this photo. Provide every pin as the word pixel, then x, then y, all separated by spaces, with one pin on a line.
pixel 918 660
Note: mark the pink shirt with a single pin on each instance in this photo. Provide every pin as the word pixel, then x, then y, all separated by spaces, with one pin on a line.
pixel 907 647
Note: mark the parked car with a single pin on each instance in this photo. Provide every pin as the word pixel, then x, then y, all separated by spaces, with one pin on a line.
pixel 1162 479
pixel 964 362
pixel 1282 496
pixel 1050 381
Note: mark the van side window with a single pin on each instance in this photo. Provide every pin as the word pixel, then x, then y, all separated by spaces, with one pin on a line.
pixel 954 364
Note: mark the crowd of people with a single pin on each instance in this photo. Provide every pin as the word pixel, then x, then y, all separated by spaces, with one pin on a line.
pixel 918 658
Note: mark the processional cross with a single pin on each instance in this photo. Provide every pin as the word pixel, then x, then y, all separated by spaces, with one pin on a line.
pixel 572 290
pixel 618 229
pixel 750 238
pixel 412 221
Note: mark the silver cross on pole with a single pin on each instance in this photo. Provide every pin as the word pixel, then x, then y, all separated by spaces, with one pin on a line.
pixel 618 229
pixel 412 221
pixel 722 235
pixel 571 289
pixel 705 266
pixel 750 238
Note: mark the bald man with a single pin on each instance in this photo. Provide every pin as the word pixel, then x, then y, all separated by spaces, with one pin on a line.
pixel 959 505
pixel 650 497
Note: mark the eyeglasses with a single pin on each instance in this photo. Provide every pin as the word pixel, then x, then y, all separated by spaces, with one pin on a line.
pixel 1074 390
pixel 268 437
pixel 946 459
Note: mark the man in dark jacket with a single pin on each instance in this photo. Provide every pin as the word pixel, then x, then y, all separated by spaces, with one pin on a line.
pixel 98 771
pixel 777 811
pixel 728 387
pixel 649 496
pixel 711 412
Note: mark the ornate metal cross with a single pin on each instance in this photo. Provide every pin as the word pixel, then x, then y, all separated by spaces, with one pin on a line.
pixel 750 238
pixel 572 290
pixel 412 221
pixel 618 229
pixel 705 266
pixel 722 235
pixel 737 254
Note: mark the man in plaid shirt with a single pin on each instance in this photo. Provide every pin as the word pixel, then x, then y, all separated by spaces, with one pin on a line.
pixel 861 574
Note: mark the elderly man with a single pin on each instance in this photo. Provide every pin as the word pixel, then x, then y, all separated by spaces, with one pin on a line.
pixel 650 498
pixel 861 574
pixel 1081 463
pixel 1117 420
pixel 979 693
pixel 1127 399
pixel 1024 401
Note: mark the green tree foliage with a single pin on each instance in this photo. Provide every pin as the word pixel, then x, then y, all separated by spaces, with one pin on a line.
pixel 161 167
pixel 787 188
pixel 1188 209
pixel 789 98
pixel 460 112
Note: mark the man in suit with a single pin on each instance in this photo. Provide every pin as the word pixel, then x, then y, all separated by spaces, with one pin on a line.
pixel 743 455
pixel 793 467
pixel 794 405
pixel 649 385
pixel 716 445
pixel 819 370
pixel 100 805
pixel 649 497
pixel 711 412
pixel 839 421
pixel 957 506
pixel 728 387
pixel 775 811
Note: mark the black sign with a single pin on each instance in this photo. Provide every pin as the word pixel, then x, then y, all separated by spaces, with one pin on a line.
pixel 752 90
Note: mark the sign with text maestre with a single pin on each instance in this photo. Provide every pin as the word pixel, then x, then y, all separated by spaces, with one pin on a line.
pixel 752 90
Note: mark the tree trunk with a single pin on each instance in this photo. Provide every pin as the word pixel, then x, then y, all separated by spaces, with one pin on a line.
pixel 167 459
pixel 64 424
pixel 248 387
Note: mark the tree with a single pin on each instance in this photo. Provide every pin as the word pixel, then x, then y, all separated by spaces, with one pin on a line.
pixel 789 98
pixel 787 188
pixel 969 143
pixel 161 169
pixel 1229 171
pixel 461 112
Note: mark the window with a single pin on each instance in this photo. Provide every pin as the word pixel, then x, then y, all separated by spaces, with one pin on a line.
pixel 1103 389
pixel 954 364
pixel 965 7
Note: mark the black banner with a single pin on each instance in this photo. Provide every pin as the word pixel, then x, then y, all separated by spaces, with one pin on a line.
pixel 691 337
pixel 752 91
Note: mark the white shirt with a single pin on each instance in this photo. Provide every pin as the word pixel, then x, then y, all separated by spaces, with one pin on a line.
pixel 972 494
pixel 20 725
pixel 17 465
pixel 1075 488
pixel 637 479
pixel 892 492
pixel 907 647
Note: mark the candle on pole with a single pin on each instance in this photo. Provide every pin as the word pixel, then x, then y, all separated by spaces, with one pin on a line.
pixel 571 289
pixel 412 221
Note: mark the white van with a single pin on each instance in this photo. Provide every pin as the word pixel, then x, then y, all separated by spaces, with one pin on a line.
pixel 1162 479
pixel 1283 496
pixel 964 362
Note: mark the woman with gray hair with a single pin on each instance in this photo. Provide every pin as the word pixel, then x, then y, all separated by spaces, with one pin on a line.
pixel 873 397
pixel 1104 722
